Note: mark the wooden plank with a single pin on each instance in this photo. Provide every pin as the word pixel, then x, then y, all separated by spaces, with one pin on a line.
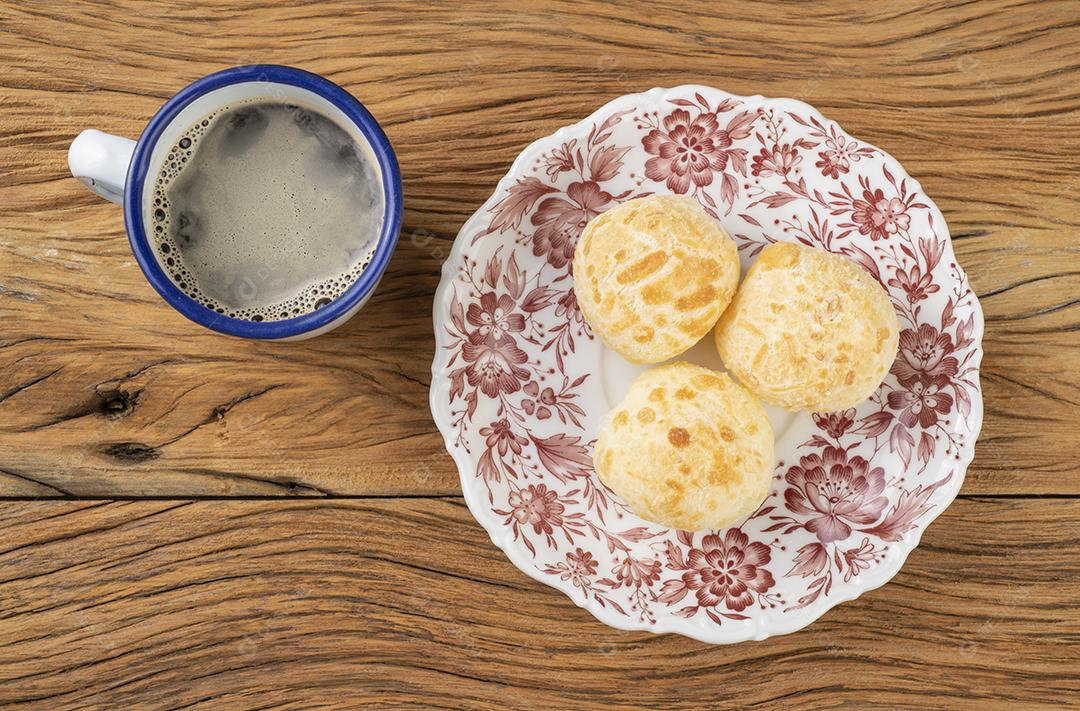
pixel 405 603
pixel 111 393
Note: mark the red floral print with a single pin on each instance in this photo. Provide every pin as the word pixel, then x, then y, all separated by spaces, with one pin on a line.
pixel 780 160
pixel 924 353
pixel 924 369
pixel 519 200
pixel 494 318
pixel 537 506
pixel 501 436
pixel 687 150
pixel 637 573
pixel 837 156
pixel 728 571
pixel 836 491
pixel 810 560
pixel 563 456
pixel 546 398
pixel 583 561
pixel 559 221
pixel 923 401
pixel 858 559
pixel 580 566
pixel 495 366
pixel 560 160
pixel 879 217
pixel 835 423
pixel 567 307
pixel 914 283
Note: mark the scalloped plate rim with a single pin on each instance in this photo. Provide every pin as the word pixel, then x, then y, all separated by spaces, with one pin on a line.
pixel 440 385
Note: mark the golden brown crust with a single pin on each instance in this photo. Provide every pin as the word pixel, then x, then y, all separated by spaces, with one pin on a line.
pixel 688 448
pixel 808 330
pixel 653 275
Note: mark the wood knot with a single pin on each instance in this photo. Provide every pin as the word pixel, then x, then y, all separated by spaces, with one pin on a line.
pixel 117 403
pixel 132 452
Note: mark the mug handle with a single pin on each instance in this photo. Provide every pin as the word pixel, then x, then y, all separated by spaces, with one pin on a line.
pixel 101 161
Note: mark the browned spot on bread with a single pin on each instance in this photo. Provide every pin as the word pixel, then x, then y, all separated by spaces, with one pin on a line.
pixel 656 395
pixel 702 296
pixel 684 394
pixel 674 485
pixel 750 428
pixel 643 334
pixel 695 327
pixel 849 378
pixel 684 468
pixel 707 381
pixel 723 471
pixel 702 265
pixel 655 294
pixel 778 256
pixel 882 336
pixel 621 419
pixel 607 460
pixel 643 267
pixel 661 320
pixel 646 415
pixel 678 437
pixel 747 326
pixel 716 477
pixel 726 434
pixel 759 358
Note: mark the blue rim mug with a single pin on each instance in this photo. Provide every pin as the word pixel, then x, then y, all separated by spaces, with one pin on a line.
pixel 122 170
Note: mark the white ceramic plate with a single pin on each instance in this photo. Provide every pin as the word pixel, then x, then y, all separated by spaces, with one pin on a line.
pixel 519 384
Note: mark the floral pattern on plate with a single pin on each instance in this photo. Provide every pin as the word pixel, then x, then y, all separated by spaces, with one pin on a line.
pixel 517 385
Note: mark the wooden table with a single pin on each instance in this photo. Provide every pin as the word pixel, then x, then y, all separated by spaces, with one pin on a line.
pixel 191 520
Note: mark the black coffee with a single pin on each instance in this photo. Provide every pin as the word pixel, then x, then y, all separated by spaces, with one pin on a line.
pixel 265 211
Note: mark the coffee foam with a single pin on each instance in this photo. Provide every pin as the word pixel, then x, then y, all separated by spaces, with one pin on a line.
pixel 308 294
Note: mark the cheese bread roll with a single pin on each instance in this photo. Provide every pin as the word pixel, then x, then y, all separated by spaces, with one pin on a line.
pixel 808 330
pixel 653 275
pixel 688 448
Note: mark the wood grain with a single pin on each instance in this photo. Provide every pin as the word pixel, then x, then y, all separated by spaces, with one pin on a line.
pixel 400 604
pixel 310 597
pixel 105 391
